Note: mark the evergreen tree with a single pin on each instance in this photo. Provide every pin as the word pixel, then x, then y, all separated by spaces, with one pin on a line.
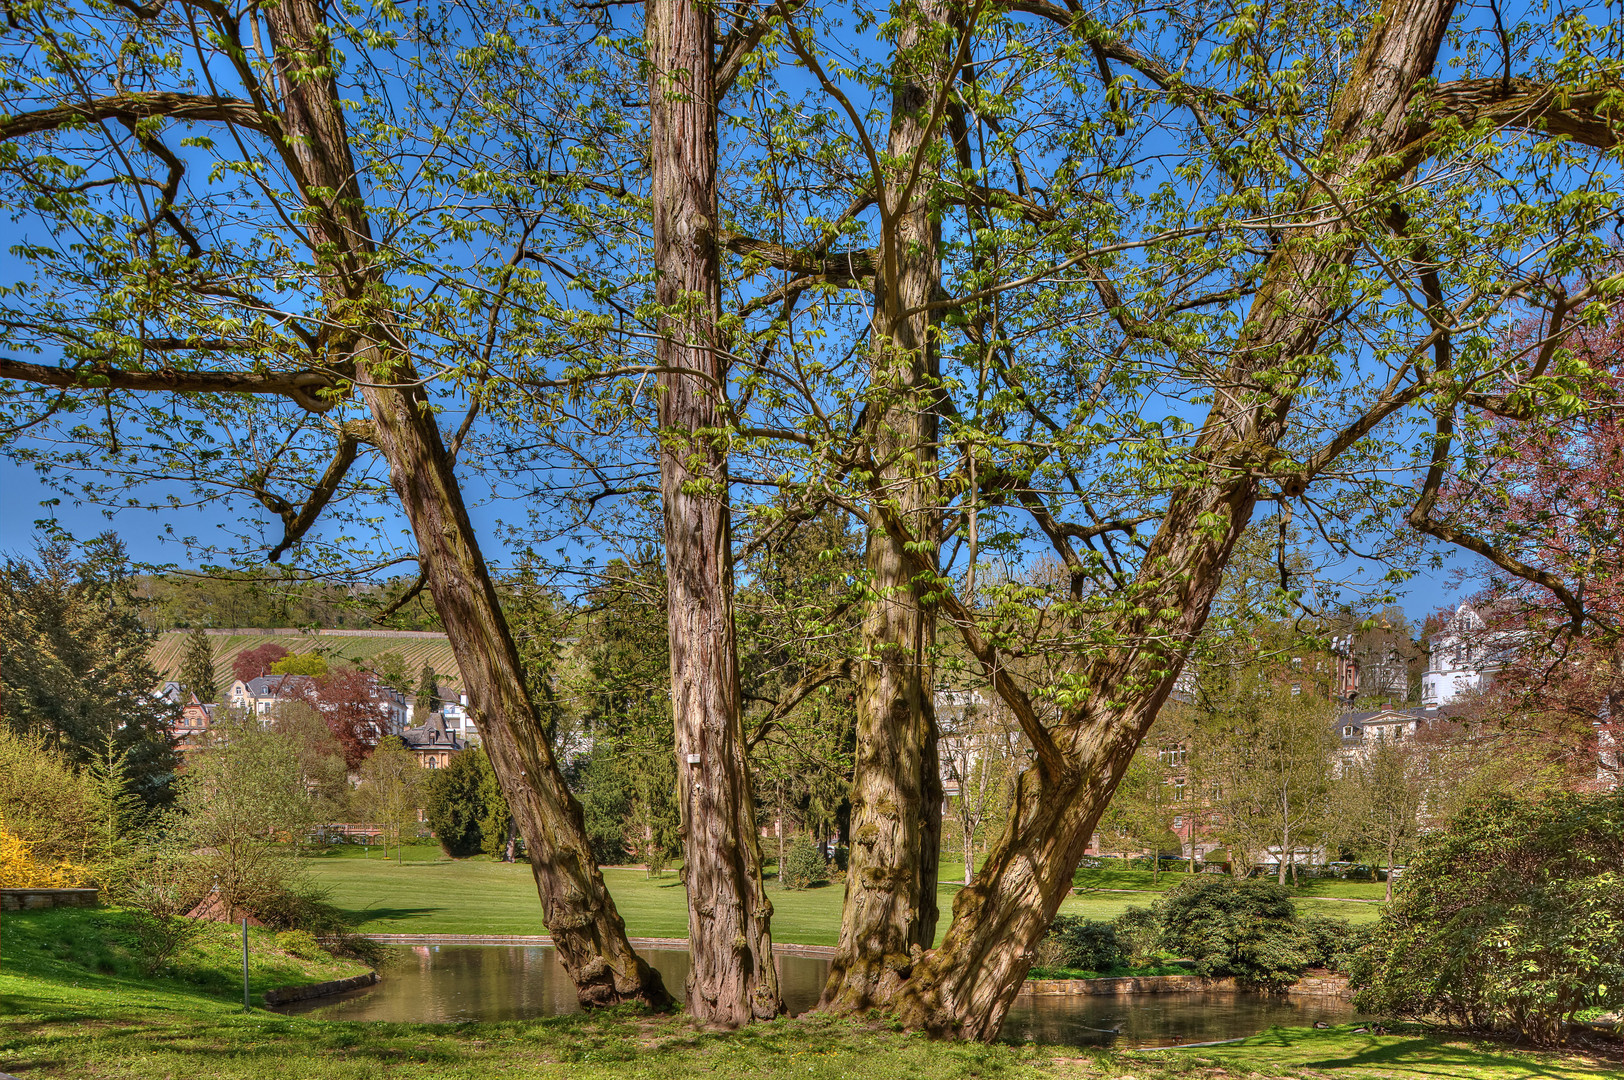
pixel 428 690
pixel 77 669
pixel 197 667
pixel 455 807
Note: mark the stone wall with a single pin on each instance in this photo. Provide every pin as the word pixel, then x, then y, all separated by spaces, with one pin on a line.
pixel 39 899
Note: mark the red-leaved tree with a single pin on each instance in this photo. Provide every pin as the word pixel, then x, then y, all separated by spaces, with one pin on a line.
pixel 1544 503
pixel 356 708
pixel 252 663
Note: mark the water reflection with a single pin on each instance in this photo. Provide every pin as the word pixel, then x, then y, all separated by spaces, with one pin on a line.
pixel 1163 1019
pixel 449 983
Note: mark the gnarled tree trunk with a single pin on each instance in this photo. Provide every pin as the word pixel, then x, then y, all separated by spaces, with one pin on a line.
pixel 890 912
pixel 731 979
pixel 965 986
pixel 580 915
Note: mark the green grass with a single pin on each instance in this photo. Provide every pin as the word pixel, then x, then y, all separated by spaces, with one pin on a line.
pixel 90 1033
pixel 1109 892
pixel 62 1015
pixel 1411 1052
pixel 429 895
pixel 96 948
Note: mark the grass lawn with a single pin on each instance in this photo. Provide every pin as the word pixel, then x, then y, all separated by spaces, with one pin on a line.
pixel 1117 889
pixel 72 1011
pixel 428 893
pixel 431 894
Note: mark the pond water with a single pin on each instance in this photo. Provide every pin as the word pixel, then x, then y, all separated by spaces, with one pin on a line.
pixel 450 983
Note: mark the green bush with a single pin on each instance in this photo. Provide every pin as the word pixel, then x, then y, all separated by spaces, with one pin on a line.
pixel 300 943
pixel 1245 929
pixel 803 865
pixel 1083 945
pixel 1331 943
pixel 1512 919
pixel 300 906
pixel 455 805
pixel 1138 934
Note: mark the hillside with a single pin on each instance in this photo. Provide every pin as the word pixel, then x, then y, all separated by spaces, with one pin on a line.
pixel 357 647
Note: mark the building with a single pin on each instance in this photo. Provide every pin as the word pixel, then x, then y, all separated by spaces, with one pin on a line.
pixel 433 743
pixel 1465 655
pixel 259 696
pixel 191 724
pixel 455 718
pixel 1361 731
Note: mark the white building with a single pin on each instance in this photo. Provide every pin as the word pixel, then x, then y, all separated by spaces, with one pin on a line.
pixel 1463 656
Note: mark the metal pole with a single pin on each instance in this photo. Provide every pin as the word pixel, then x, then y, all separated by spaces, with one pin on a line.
pixel 245 1006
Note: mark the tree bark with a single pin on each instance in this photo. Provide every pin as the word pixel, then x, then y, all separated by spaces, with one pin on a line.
pixel 731 979
pixel 890 912
pixel 966 985
pixel 587 930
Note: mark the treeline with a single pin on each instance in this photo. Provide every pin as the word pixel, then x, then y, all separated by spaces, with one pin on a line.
pixel 268 599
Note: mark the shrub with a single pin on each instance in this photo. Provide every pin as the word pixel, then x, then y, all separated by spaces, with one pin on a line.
pixel 1083 945
pixel 1138 934
pixel 299 906
pixel 162 885
pixel 1331 943
pixel 1512 918
pixel 300 943
pixel 803 865
pixel 1246 929
pixel 455 804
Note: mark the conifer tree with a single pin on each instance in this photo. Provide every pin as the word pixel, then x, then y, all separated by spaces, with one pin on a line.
pixel 197 667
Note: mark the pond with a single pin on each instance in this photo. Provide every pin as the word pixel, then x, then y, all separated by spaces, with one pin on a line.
pixel 449 983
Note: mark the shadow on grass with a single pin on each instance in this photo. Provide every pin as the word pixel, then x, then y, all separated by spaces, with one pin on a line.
pixel 1413 1054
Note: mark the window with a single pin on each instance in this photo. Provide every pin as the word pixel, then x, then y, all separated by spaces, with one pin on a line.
pixel 1348 731
pixel 1178 791
pixel 1172 756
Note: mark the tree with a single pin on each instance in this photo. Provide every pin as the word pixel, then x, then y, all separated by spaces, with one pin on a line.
pixel 310 664
pixel 243 799
pixel 353 705
pixel 1378 801
pixel 1268 753
pixel 1143 807
pixel 630 781
pixel 250 664
pixel 197 667
pixel 454 804
pixel 732 978
pixel 282 113
pixel 76 669
pixel 323 767
pixel 390 668
pixel 497 835
pixel 392 789
pixel 428 691
pixel 1132 604
pixel 1509 918
pixel 1118 369
pixel 1543 504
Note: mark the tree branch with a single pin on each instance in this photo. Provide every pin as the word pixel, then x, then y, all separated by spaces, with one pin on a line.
pixel 134 106
pixel 302 386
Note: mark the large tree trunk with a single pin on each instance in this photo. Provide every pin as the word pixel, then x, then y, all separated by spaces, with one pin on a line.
pixel 586 929
pixel 967 984
pixel 731 979
pixel 890 912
